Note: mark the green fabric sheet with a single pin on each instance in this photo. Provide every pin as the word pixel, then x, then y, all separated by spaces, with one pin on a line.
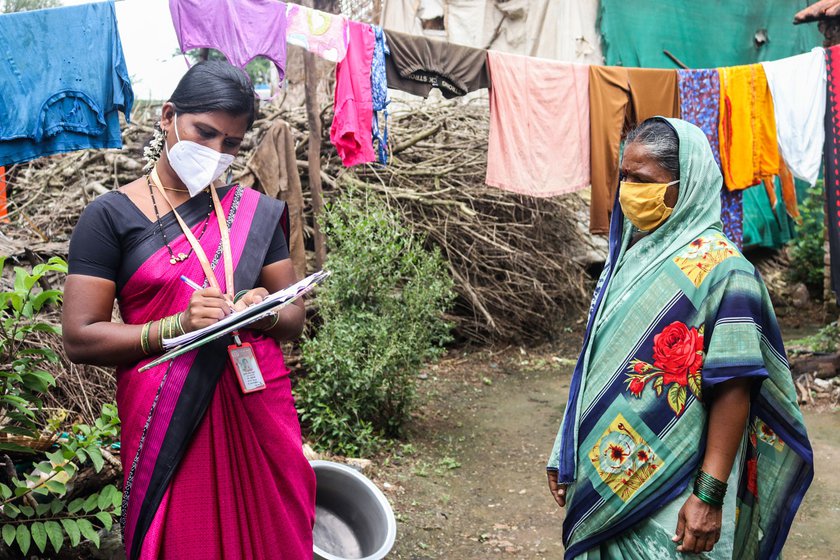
pixel 702 33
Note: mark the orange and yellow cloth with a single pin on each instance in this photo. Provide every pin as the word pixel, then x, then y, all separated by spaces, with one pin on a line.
pixel 749 150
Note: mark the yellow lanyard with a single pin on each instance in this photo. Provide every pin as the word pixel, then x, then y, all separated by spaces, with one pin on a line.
pixel 227 256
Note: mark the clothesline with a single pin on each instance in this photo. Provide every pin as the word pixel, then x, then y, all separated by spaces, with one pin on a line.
pixel 581 143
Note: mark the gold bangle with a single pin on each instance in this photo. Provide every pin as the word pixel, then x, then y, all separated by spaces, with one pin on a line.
pixel 181 329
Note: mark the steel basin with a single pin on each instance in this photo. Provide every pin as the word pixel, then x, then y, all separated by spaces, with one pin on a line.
pixel 353 519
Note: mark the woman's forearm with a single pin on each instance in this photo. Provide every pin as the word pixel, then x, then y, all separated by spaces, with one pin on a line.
pixel 289 325
pixel 108 344
pixel 727 420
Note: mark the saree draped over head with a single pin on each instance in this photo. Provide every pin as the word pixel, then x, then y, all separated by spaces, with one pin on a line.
pixel 207 466
pixel 672 317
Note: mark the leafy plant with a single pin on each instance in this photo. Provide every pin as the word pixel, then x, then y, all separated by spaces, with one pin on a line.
pixel 23 378
pixel 807 248
pixel 382 312
pixel 34 508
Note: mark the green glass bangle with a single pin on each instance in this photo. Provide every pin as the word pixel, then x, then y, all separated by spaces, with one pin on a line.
pixel 144 338
pixel 239 295
pixel 703 497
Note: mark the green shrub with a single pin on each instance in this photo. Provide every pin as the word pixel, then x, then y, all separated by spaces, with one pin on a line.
pixel 36 508
pixel 382 318
pixel 806 249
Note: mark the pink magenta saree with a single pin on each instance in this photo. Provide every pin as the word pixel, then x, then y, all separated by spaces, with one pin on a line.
pixel 210 473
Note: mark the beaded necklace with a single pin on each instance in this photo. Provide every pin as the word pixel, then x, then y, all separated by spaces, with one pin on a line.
pixel 173 259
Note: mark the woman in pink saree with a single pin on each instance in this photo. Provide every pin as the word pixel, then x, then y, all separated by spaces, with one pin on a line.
pixel 211 472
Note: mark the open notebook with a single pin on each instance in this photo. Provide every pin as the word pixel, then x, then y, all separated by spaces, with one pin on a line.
pixel 194 339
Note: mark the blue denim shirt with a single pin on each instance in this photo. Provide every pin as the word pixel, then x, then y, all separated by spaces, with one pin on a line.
pixel 63 80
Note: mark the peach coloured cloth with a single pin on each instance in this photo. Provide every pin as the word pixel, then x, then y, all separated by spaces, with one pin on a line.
pixel 539 125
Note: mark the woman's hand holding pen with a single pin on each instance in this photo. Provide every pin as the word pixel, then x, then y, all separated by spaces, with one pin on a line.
pixel 207 306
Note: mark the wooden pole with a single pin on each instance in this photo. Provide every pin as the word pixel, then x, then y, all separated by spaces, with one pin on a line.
pixel 313 118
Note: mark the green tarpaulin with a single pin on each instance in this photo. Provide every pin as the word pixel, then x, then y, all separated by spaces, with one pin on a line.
pixel 702 33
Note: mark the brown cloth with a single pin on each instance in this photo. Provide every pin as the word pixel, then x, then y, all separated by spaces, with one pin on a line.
pixel 619 99
pixel 272 170
pixel 417 64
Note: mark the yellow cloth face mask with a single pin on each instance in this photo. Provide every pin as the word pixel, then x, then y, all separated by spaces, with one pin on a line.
pixel 644 203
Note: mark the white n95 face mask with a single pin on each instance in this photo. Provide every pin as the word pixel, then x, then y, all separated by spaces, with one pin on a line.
pixel 196 165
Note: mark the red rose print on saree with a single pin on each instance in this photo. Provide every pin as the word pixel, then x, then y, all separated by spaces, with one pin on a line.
pixel 677 365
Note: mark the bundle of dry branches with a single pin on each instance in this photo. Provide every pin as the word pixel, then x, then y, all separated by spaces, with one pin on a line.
pixel 516 260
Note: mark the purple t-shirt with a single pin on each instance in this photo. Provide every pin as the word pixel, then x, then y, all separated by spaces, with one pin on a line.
pixel 239 29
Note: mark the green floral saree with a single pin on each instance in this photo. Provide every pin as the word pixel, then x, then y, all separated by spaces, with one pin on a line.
pixel 672 317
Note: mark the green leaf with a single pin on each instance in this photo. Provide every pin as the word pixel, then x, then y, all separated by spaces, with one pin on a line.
pixel 676 398
pixel 105 519
pixel 15 448
pixel 41 509
pixel 23 538
pixel 38 380
pixel 90 503
pixel 86 527
pixel 75 505
pixel 11 511
pixel 105 498
pixel 39 535
pixel 56 487
pixel 657 385
pixel 45 467
pixel 56 506
pixel 9 534
pixel 56 458
pixel 28 511
pixel 696 385
pixel 96 458
pixel 55 534
pixel 72 530
pixel 5 492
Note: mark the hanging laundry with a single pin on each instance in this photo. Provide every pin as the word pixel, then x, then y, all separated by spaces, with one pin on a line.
pixel 239 29
pixel 766 225
pixel 832 163
pixel 539 125
pixel 700 105
pixel 4 211
pixel 351 128
pixel 749 149
pixel 620 98
pixel 272 169
pixel 789 187
pixel 64 80
pixel 379 93
pixel 798 87
pixel 321 33
pixel 402 16
pixel 417 64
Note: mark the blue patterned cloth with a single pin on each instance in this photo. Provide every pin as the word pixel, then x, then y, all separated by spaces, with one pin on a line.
pixel 379 88
pixel 700 105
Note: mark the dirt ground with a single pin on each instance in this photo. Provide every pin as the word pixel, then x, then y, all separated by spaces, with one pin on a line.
pixel 471 482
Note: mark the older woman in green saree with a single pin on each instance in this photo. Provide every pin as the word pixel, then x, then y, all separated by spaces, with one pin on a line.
pixel 682 435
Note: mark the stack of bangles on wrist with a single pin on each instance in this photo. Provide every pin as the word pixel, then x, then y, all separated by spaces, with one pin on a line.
pixel 709 489
pixel 168 327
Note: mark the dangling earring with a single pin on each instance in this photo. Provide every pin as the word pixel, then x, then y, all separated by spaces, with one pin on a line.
pixel 151 153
